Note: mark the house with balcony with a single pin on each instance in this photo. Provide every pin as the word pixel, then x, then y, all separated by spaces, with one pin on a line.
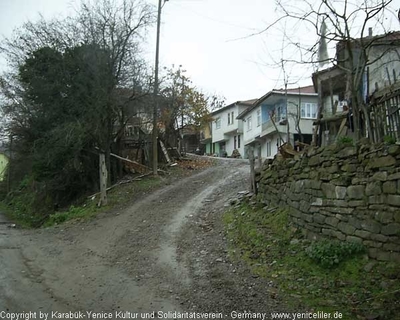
pixel 227 130
pixel 370 73
pixel 206 139
pixel 278 117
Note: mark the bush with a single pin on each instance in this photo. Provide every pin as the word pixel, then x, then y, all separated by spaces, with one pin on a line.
pixel 345 140
pixel 329 254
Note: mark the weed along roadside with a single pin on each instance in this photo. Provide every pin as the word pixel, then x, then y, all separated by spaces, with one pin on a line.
pixel 323 275
pixel 26 213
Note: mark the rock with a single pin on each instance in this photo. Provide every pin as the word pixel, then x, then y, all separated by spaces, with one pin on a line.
pixel 381 162
pixel 346 228
pixel 340 192
pixel 374 188
pixel 369 266
pixel 391 229
pixel 380 176
pixel 371 225
pixel 393 200
pixel 389 187
pixel 356 192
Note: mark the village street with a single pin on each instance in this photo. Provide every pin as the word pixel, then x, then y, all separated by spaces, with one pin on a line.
pixel 167 252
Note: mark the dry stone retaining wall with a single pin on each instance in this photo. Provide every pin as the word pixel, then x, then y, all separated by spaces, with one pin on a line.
pixel 347 192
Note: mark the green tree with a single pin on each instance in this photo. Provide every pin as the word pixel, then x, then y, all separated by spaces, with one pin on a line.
pixel 62 93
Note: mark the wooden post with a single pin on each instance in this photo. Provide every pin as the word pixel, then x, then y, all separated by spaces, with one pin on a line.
pixel 259 157
pixel 103 180
pixel 252 173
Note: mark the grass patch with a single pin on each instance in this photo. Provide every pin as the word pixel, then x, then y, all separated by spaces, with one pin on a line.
pixel 19 208
pixel 274 249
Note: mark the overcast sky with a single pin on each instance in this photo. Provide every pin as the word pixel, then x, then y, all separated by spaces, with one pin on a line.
pixel 209 38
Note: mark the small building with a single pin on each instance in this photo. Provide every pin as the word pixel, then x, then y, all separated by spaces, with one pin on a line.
pixel 280 116
pixel 227 130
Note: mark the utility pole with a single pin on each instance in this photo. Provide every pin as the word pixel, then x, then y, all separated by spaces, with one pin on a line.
pixel 155 108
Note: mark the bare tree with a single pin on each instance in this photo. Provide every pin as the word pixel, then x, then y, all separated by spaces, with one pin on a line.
pixel 336 24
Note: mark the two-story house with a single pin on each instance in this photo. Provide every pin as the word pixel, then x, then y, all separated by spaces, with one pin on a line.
pixel 369 73
pixel 280 116
pixel 227 130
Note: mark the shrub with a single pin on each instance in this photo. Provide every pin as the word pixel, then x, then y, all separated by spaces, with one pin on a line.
pixel 329 253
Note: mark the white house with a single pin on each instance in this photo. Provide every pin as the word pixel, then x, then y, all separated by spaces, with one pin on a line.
pixel 227 130
pixel 280 116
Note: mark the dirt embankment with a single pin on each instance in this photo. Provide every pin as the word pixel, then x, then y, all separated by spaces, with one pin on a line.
pixel 166 252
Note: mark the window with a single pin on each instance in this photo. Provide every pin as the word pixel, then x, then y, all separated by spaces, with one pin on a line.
pixel 218 123
pixel 234 142
pixel 308 110
pixel 268 148
pixel 248 123
pixel 231 118
pixel 258 118
pixel 238 141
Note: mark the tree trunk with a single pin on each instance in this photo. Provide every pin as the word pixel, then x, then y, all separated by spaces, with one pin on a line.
pixel 103 180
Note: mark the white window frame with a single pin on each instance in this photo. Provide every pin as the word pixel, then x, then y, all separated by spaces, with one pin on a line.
pixel 230 118
pixel 308 110
pixel 218 123
pixel 269 153
pixel 249 124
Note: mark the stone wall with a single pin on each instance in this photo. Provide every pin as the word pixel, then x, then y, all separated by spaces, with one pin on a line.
pixel 347 192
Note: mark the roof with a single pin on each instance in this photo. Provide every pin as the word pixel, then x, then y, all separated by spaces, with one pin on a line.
pixel 386 38
pixel 307 90
pixel 242 102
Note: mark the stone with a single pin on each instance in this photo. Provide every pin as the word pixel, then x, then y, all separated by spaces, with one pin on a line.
pixel 318 202
pixel 346 228
pixel 340 192
pixel 372 244
pixel 340 203
pixel 377 199
pixel 355 222
pixel 356 203
pixel 314 161
pixel 383 256
pixel 332 221
pixel 389 187
pixel 328 190
pixel 396 216
pixel 319 218
pixel 391 229
pixel 380 176
pixel 347 152
pixel 369 266
pixel 391 247
pixel 379 237
pixel 393 200
pixel 374 188
pixel 394 176
pixel 354 239
pixel 362 234
pixel 349 167
pixel 394 150
pixel 384 216
pixel 381 162
pixel 371 226
pixel 338 235
pixel 355 192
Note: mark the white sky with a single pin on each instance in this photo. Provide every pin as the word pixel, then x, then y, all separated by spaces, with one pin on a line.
pixel 199 35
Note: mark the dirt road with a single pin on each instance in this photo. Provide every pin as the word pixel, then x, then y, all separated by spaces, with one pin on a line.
pixel 167 252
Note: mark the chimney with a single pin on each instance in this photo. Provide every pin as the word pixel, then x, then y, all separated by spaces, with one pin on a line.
pixel 369 32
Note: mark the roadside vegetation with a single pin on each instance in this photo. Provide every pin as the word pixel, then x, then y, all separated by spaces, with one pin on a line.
pixel 323 275
pixel 19 207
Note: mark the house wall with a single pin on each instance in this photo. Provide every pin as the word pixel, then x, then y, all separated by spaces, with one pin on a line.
pixel 255 131
pixel 381 71
pixel 228 132
pixel 3 165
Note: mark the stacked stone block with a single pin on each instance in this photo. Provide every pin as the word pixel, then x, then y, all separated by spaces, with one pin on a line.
pixel 346 192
